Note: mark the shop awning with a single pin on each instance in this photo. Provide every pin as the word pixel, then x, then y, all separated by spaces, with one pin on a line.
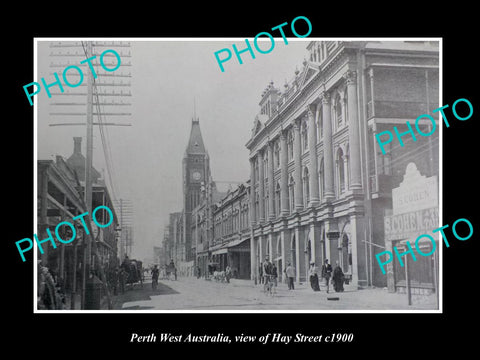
pixel 232 246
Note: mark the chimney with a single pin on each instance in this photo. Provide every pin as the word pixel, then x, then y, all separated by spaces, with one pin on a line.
pixel 77 145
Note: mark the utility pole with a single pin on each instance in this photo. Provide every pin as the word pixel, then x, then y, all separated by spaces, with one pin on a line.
pixel 88 161
pixel 125 207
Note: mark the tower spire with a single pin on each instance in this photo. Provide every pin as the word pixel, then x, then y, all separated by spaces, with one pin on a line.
pixel 195 119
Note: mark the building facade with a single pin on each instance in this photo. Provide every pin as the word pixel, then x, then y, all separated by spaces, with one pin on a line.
pixel 61 198
pixel 230 245
pixel 320 187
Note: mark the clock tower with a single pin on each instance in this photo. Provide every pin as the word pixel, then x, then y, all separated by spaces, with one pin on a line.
pixel 196 171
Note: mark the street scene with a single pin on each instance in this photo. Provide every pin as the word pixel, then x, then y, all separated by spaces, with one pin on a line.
pixel 261 187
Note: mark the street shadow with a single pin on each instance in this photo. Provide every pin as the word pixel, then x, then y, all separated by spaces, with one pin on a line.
pixel 141 294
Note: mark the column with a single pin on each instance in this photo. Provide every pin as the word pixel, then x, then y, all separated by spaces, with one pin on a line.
pixel 359 263
pixel 271 184
pixel 261 183
pixel 353 127
pixel 261 255
pixel 283 174
pixel 284 258
pixel 270 246
pixel 297 254
pixel 253 215
pixel 312 149
pixel 327 146
pixel 253 259
pixel 297 156
pixel 372 93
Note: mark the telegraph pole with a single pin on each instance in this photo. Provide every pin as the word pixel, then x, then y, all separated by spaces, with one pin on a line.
pixel 125 207
pixel 89 157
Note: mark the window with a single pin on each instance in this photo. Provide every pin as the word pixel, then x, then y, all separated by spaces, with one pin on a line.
pixel 340 171
pixel 276 154
pixel 321 173
pixel 266 204
pixel 291 193
pixel 277 199
pixel 265 166
pixel 320 125
pixel 256 169
pixel 290 145
pixel 304 130
pixel 338 111
pixel 257 197
pixel 306 186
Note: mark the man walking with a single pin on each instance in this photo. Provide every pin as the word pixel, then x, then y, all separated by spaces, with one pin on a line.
pixel 290 273
pixel 267 271
pixel 155 274
pixel 326 272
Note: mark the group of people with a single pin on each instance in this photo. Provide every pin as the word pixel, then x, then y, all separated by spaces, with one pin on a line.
pixel 337 276
pixel 268 271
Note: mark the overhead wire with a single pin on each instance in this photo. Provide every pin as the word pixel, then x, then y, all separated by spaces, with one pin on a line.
pixel 105 142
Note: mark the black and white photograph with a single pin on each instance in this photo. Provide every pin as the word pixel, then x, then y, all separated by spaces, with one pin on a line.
pixel 238 182
pixel 261 187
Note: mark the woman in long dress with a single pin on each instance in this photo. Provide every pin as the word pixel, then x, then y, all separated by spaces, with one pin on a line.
pixel 314 277
pixel 338 278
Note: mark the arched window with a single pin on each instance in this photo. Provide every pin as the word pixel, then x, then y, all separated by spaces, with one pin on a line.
pixel 267 203
pixel 277 199
pixel 340 171
pixel 321 182
pixel 257 197
pixel 276 153
pixel 265 166
pixel 320 125
pixel 304 135
pixel 306 186
pixel 338 111
pixel 291 193
pixel 290 145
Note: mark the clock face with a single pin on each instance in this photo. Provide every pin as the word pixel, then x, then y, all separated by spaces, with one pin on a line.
pixel 196 175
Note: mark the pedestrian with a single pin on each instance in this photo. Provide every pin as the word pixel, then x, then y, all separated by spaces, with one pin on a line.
pixel 260 274
pixel 274 274
pixel 326 272
pixel 121 279
pixel 313 277
pixel 198 272
pixel 290 273
pixel 338 278
pixel 155 274
pixel 228 273
pixel 267 270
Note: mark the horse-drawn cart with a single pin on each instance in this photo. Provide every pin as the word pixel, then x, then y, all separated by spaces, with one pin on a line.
pixel 134 271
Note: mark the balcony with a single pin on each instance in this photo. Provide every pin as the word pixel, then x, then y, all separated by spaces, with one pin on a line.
pixel 398 109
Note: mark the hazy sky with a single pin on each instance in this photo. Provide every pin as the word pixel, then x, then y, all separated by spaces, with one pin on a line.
pixel 166 77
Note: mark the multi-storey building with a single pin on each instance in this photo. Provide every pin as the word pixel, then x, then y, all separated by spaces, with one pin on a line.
pixel 319 184
pixel 231 232
pixel 61 192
